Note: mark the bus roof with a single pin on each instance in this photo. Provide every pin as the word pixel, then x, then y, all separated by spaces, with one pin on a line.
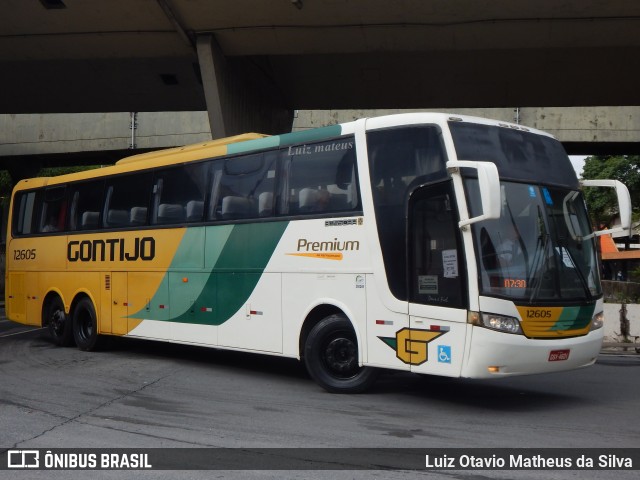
pixel 249 142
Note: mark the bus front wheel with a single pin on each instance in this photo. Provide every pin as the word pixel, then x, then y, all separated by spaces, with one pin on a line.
pixel 331 357
pixel 59 323
pixel 85 325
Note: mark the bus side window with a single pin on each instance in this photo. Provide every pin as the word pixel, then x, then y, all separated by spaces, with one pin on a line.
pixel 321 178
pixel 24 213
pixel 400 160
pixel 215 179
pixel 86 205
pixel 53 212
pixel 265 192
pixel 246 187
pixel 127 195
pixel 179 194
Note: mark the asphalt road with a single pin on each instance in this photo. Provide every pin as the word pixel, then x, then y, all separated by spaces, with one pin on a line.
pixel 138 394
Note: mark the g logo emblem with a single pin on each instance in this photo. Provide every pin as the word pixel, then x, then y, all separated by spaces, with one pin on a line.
pixel 411 345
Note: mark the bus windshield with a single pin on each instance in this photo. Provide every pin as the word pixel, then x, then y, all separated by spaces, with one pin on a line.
pixel 541 249
pixel 520 155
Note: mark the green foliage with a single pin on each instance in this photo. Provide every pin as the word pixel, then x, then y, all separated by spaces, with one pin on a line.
pixel 634 275
pixel 5 184
pixel 602 202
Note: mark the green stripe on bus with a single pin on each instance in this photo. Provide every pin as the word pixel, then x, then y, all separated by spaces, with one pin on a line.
pixel 189 255
pixel 302 136
pixel 574 318
pixel 240 254
pixel 244 258
pixel 311 135
pixel 250 145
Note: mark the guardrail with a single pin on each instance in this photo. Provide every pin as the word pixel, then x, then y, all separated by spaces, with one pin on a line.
pixel 620 348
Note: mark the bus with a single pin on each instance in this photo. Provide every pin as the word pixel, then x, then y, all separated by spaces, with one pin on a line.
pixel 422 242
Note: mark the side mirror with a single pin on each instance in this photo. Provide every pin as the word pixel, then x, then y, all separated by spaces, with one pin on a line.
pixel 570 219
pixel 624 204
pixel 489 185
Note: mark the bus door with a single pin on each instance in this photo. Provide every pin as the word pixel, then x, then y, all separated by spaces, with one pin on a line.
pixel 119 303
pixel 437 283
pixel 114 303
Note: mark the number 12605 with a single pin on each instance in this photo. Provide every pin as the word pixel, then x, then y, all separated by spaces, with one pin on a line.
pixel 28 254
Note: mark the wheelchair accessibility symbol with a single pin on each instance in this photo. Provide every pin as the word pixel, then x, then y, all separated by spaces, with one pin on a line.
pixel 444 354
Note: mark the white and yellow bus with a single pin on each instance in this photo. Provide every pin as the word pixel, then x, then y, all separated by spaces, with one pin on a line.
pixel 422 242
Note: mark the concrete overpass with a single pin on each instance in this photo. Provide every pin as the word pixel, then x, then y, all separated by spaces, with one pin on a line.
pixel 251 63
pixel 102 138
pixel 280 55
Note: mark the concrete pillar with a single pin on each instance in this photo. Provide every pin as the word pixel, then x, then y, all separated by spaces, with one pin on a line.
pixel 211 66
pixel 239 94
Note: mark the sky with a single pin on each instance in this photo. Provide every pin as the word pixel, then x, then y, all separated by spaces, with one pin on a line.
pixel 578 163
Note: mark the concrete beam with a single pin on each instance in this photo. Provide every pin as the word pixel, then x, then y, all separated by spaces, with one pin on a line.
pixel 61 133
pixel 586 124
pixel 71 139
pixel 583 130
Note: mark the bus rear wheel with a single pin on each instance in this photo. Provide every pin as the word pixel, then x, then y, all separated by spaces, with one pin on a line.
pixel 331 357
pixel 58 322
pixel 85 325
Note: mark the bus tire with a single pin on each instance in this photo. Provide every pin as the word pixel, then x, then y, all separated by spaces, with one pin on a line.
pixel 85 325
pixel 58 322
pixel 331 357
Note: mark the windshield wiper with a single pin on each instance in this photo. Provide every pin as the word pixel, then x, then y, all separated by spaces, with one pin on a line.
pixel 538 257
pixel 521 242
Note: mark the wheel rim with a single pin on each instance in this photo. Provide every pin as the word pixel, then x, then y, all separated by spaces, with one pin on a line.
pixel 57 321
pixel 340 357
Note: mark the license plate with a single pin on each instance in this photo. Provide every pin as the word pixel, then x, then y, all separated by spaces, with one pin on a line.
pixel 558 355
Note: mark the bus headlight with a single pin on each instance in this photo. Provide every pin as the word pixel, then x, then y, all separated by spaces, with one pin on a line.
pixel 502 323
pixel 597 321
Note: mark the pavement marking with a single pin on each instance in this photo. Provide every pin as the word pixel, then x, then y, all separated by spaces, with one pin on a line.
pixel 20 333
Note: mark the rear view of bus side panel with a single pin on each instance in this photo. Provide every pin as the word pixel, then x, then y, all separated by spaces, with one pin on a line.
pixel 16 298
pixel 28 259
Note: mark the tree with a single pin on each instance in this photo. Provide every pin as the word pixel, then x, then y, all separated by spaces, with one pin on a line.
pixel 601 202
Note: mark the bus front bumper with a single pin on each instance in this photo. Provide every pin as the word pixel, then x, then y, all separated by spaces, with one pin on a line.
pixel 496 354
